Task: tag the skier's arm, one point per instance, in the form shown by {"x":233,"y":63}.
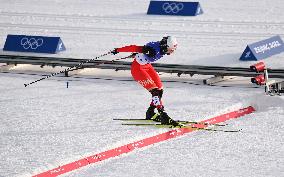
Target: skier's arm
{"x":130,"y":48}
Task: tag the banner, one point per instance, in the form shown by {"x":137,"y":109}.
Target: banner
{"x":263,"y":49}
{"x":38,"y":44}
{"x":174,"y":8}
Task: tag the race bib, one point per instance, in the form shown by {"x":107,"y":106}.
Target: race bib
{"x":141,"y":59}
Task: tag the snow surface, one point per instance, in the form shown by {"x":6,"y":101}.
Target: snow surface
{"x":47,"y":125}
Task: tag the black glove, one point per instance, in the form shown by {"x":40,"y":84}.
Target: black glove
{"x":149,"y":51}
{"x":114,"y":52}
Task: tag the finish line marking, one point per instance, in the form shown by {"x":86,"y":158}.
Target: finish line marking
{"x":140,"y":144}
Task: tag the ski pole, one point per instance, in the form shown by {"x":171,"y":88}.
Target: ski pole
{"x":68,"y":69}
{"x":108,"y":61}
{"x":79,"y":66}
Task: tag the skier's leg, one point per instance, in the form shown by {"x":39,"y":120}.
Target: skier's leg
{"x":157,"y":93}
{"x":140,"y":74}
{"x":150,"y":80}
{"x":156,"y":101}
{"x":157,"y":98}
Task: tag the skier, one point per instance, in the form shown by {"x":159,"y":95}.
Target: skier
{"x":144,"y":73}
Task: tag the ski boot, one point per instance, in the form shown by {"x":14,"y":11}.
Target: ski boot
{"x":150,"y":112}
{"x":166,"y":120}
{"x":151,"y":115}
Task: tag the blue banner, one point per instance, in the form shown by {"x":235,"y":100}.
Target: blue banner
{"x":38,"y":44}
{"x":174,"y":8}
{"x":263,"y":49}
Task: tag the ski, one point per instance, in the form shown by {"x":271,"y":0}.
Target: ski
{"x":150,"y":120}
{"x":192,"y":126}
{"x":179,"y":121}
{"x":158,"y":125}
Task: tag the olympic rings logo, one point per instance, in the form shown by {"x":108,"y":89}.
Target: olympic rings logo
{"x":172,"y":7}
{"x":31,"y":43}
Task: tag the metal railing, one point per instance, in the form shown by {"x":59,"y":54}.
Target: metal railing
{"x":123,"y":65}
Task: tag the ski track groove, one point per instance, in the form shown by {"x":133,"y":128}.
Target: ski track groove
{"x":99,"y":31}
{"x":126,"y":31}
{"x":119,"y":18}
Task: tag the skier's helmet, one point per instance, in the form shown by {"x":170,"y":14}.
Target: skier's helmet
{"x":169,"y":43}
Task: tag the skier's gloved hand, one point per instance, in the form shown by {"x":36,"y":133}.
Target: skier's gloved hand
{"x":114,"y":52}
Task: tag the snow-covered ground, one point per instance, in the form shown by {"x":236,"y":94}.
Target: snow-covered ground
{"x":47,"y":125}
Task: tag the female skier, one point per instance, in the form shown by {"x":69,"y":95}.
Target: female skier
{"x":144,"y":73}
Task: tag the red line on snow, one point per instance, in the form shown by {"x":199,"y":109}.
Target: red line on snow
{"x":140,"y":144}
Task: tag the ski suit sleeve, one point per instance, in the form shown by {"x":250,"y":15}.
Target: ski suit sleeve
{"x":130,"y":48}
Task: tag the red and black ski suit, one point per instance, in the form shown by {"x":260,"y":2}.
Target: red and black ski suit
{"x":142,"y":70}
{"x":144,"y":73}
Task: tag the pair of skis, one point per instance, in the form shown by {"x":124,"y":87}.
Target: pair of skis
{"x":182,"y":124}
